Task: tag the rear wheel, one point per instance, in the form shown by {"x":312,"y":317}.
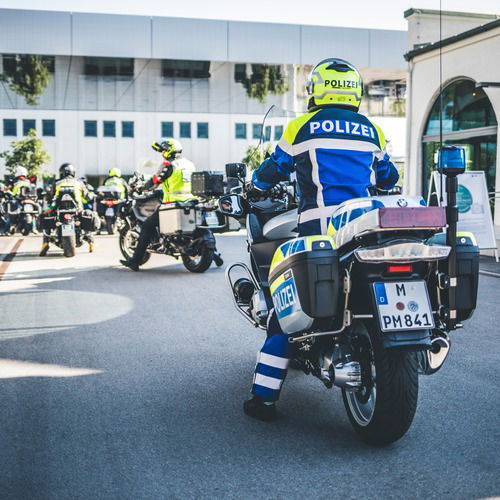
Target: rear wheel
{"x":128,"y":242}
{"x":200,"y":262}
{"x":382,"y":411}
{"x":110,"y":226}
{"x":68,"y":245}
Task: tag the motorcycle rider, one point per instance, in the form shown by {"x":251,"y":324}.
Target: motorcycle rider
{"x":21,"y":180}
{"x":174,"y":177}
{"x":67,"y":178}
{"x":336,"y":153}
{"x":115,"y":179}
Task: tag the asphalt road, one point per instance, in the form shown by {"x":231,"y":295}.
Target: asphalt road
{"x":116,"y":384}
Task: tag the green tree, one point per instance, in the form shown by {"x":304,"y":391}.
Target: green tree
{"x":26,"y":153}
{"x":27,"y":76}
{"x":255,"y":156}
{"x":265,"y":79}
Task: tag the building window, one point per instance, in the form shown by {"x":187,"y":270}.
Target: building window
{"x":469,"y":122}
{"x":175,"y":68}
{"x":167,"y":129}
{"x":256,"y":130}
{"x":49,"y":128}
{"x":185,"y":130}
{"x":202,"y":130}
{"x":15,"y":63}
{"x":240,"y":130}
{"x":90,"y":127}
{"x":127,"y":129}
{"x":28,"y":125}
{"x":278,"y":132}
{"x":109,"y":129}
{"x":267,"y":133}
{"x":109,"y":66}
{"x":9,"y":127}
{"x":240,"y":73}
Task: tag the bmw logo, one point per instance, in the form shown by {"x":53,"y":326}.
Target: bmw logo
{"x":412,"y":306}
{"x":402,"y":202}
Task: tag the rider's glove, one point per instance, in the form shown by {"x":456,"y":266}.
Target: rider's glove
{"x":164,"y":173}
{"x":253,"y":192}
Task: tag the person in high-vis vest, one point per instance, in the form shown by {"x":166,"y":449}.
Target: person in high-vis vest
{"x":21,"y":180}
{"x":115,"y":179}
{"x":336,"y":153}
{"x":67,"y":178}
{"x":174,"y":178}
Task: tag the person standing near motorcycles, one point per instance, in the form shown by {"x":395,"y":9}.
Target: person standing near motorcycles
{"x":174,"y":178}
{"x":67,"y":178}
{"x":336,"y":153}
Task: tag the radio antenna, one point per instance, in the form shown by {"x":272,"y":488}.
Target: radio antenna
{"x":440,"y":155}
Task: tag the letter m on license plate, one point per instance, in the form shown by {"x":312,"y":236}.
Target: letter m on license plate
{"x":403,"y":305}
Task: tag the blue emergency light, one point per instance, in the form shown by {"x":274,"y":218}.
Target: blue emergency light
{"x":451,"y":160}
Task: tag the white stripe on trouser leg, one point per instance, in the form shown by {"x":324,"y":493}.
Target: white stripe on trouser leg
{"x":269,"y":382}
{"x":274,"y":361}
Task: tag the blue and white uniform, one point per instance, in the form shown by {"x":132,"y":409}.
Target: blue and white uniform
{"x":336,"y":154}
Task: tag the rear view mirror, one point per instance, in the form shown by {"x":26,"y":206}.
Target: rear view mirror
{"x":232,"y":205}
{"x":451,"y":160}
{"x":238,"y":170}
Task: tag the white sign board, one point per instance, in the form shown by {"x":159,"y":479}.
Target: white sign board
{"x":474,"y":214}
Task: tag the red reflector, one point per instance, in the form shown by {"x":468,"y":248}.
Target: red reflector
{"x":400,"y":269}
{"x":68,"y":216}
{"x":412,"y":217}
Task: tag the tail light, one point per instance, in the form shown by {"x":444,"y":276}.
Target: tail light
{"x":402,"y":252}
{"x":68,"y":216}
{"x":400,"y":269}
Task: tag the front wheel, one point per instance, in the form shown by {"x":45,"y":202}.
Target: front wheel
{"x":382,"y":411}
{"x":68,"y":244}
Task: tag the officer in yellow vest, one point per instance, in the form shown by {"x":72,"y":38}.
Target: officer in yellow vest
{"x":115,"y":179}
{"x":67,"y":178}
{"x":174,"y":177}
{"x":21,"y":180}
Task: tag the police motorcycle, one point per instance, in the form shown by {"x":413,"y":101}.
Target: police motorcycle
{"x":65,"y":224}
{"x":21,"y":210}
{"x":186,"y":229}
{"x":108,"y":201}
{"x":369,"y":305}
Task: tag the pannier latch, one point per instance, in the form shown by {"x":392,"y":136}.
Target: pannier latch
{"x":443,"y":281}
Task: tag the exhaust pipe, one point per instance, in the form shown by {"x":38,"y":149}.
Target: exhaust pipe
{"x":432,"y":360}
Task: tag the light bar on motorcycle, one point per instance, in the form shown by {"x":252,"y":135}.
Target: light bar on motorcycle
{"x":403,"y":252}
{"x":412,"y":217}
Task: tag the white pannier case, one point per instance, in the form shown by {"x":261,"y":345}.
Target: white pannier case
{"x":177,"y":219}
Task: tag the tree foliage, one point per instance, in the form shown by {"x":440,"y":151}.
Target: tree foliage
{"x":27,"y":76}
{"x":265,"y":79}
{"x":27,"y":153}
{"x":255,"y":156}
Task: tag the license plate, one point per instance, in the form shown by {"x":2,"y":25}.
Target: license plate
{"x":212,"y":219}
{"x":109,"y":212}
{"x":28,"y":208}
{"x":67,"y":229}
{"x":403,"y":305}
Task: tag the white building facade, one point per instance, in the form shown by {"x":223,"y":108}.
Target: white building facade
{"x":470,"y":102}
{"x":117,"y":83}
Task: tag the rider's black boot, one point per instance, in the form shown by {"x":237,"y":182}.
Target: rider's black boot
{"x":260,"y":409}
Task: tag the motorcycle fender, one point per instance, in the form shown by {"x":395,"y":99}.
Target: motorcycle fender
{"x":208,"y":239}
{"x":415,"y":340}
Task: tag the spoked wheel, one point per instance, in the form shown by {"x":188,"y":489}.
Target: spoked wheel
{"x":128,"y":243}
{"x":382,"y":410}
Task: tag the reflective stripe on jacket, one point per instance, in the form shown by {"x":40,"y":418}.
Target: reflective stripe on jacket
{"x":178,"y":186}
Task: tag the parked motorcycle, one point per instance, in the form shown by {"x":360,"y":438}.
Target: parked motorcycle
{"x":108,"y":201}
{"x":186,"y":229}
{"x":66,"y":225}
{"x":368,"y":306}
